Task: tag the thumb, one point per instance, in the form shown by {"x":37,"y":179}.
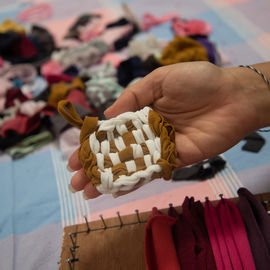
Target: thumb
{"x":140,"y":94}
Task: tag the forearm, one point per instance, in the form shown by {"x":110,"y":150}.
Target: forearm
{"x":255,"y":89}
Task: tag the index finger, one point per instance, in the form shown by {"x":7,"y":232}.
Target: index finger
{"x":140,"y":94}
{"x":74,"y":163}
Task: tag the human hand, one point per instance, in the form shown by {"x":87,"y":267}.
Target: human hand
{"x":211,"y":109}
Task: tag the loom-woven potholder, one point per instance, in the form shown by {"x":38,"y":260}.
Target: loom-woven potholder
{"x":124,"y":152}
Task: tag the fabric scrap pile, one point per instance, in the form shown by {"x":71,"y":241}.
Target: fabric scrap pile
{"x":95,"y":62}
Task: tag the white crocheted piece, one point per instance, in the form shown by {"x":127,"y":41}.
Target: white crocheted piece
{"x":126,"y":182}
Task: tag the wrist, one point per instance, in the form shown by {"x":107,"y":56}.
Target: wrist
{"x":254,"y":92}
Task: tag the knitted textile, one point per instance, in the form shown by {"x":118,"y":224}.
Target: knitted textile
{"x":126,"y":151}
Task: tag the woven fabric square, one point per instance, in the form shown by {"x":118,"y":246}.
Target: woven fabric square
{"x":124,"y":152}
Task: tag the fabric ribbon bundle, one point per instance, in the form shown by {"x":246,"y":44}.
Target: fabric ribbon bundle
{"x":224,"y":236}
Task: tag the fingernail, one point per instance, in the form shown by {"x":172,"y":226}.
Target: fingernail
{"x":105,"y":112}
{"x":107,"y":109}
{"x":85,"y":197}
{"x":69,"y":169}
{"x":71,"y":189}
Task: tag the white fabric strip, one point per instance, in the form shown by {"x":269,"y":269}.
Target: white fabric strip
{"x":119,"y":143}
{"x":137,"y":124}
{"x":143,"y":114}
{"x":106,"y":179}
{"x":156,"y":156}
{"x":148,"y":132}
{"x":121,"y":119}
{"x":115,"y":158}
{"x":131,"y":166}
{"x":147,"y":160}
{"x":100,"y":160}
{"x":138,"y":136}
{"x":137,"y":151}
{"x":124,"y":182}
{"x":157,"y":144}
{"x":105,"y":147}
{"x":121,"y":129}
{"x":151,"y":146}
{"x":94,"y":143}
{"x":110,"y":136}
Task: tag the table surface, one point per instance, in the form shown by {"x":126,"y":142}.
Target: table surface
{"x":36,"y":203}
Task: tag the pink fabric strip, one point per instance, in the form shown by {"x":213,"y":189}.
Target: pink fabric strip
{"x":224,"y":217}
{"x":51,"y":68}
{"x":216,"y":238}
{"x":240,"y":235}
{"x":191,"y":27}
{"x":36,"y":13}
{"x":150,"y":20}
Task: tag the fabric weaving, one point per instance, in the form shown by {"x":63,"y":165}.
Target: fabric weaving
{"x":126,"y":151}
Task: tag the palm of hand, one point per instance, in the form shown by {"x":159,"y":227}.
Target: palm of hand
{"x":205,"y":111}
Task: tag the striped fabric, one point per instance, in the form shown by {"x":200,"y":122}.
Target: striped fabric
{"x":73,"y":207}
{"x":36,"y":13}
{"x":35,"y":199}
